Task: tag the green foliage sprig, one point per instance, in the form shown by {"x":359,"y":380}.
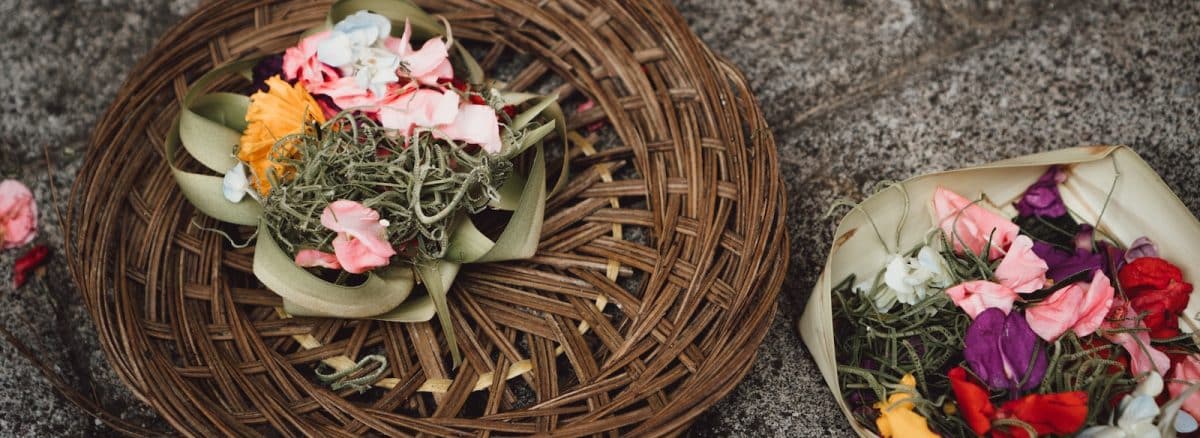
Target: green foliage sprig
{"x":418,"y":187}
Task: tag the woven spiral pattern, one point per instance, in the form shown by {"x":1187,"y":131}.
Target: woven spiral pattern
{"x":653,"y":285}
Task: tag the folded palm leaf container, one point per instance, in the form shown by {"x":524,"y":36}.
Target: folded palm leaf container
{"x":652,"y":286}
{"x":1140,"y":204}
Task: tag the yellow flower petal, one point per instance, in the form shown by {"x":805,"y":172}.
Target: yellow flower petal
{"x":896,"y":415}
{"x":282,"y":110}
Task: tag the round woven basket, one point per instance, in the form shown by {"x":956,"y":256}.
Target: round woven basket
{"x":654,"y":282}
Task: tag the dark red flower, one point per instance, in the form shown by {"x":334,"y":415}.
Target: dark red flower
{"x":28,"y":262}
{"x":1156,"y":287}
{"x":1058,"y":414}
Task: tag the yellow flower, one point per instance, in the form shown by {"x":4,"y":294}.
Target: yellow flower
{"x":896,"y":416}
{"x":282,"y":110}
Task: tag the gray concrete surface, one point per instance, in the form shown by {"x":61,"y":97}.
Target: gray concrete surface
{"x":856,"y":91}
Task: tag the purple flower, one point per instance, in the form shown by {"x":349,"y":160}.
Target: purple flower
{"x":1042,"y":198}
{"x":265,"y":69}
{"x":1064,"y":263}
{"x":1004,"y":352}
{"x":1142,"y":247}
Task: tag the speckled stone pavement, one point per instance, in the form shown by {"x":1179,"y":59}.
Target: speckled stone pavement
{"x":855,"y":90}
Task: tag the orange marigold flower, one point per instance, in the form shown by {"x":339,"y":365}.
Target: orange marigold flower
{"x":284,"y":109}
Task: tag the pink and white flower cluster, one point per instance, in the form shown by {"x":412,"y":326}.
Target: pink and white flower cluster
{"x":359,"y":66}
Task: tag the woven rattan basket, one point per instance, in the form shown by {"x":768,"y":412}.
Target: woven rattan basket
{"x":653,"y":285}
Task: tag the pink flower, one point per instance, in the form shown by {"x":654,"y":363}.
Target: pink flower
{"x":346,"y":94}
{"x":361,"y":243}
{"x":1135,"y":338}
{"x":300,"y":63}
{"x":427,"y":65}
{"x":1022,"y":270}
{"x":1080,"y":307}
{"x":970,"y":226}
{"x":976,"y":296}
{"x":423,"y":108}
{"x":18,"y":215}
{"x":311,"y":258}
{"x":476,"y":124}
{"x":441,"y":112}
{"x":1186,"y":373}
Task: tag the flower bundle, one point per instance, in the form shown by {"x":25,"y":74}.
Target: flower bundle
{"x":1018,"y":321}
{"x":365,"y":155}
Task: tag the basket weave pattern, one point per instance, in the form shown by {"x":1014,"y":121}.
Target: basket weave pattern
{"x":653,"y":285}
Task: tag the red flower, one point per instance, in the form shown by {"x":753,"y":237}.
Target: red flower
{"x":1058,"y":413}
{"x":1156,"y":287}
{"x":972,"y":400}
{"x":28,"y":262}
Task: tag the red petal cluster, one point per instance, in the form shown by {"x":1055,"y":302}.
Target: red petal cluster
{"x":1058,"y":413}
{"x":1156,"y":287}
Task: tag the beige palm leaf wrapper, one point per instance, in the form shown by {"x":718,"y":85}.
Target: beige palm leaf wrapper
{"x":1141,"y":204}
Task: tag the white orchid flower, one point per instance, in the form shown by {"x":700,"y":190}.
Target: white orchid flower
{"x":909,"y":279}
{"x":356,"y":46}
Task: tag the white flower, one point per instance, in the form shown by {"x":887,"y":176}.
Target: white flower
{"x":236,"y":185}
{"x":1138,"y":413}
{"x":364,"y":29}
{"x":909,"y":280}
{"x":355,"y":45}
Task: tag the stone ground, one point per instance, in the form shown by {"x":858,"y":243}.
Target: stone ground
{"x":856,"y":90}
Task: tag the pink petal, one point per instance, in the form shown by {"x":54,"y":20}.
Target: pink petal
{"x":1141,"y":361}
{"x":18,"y":214}
{"x":1096,"y":303}
{"x":400,"y":46}
{"x":1143,"y":356}
{"x":300,"y":62}
{"x":1054,"y":316}
{"x":430,"y":63}
{"x":356,"y":256}
{"x":1022,"y":270}
{"x":311,"y":258}
{"x":346,"y":93}
{"x":1185,"y":374}
{"x":351,"y":219}
{"x":427,"y":65}
{"x":1080,"y":307}
{"x":976,"y":296}
{"x":476,"y":124}
{"x":970,"y":226}
{"x":422,"y":108}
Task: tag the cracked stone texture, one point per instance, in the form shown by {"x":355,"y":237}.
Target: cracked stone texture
{"x":856,"y":91}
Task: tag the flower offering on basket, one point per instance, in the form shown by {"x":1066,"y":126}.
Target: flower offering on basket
{"x":371,"y":156}
{"x":1045,"y":296}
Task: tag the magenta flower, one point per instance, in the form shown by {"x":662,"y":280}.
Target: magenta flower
{"x":1000,"y":349}
{"x":1042,"y":198}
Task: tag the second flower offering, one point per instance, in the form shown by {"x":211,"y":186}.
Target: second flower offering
{"x":1030,"y":323}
